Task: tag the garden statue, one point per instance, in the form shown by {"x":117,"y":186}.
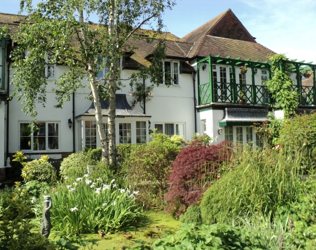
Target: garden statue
{"x":46,"y":225}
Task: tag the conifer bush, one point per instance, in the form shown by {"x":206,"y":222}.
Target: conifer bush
{"x":195,"y":168}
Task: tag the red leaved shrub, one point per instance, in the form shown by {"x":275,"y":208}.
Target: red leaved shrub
{"x":193,"y":171}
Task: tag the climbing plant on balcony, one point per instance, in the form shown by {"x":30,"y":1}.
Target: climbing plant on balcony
{"x":281,"y":86}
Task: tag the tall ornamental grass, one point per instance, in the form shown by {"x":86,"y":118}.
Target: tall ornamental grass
{"x":90,"y":205}
{"x":261,"y":182}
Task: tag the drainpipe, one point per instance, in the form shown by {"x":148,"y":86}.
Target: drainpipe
{"x":194,"y":102}
{"x":144,"y":96}
{"x":73,"y":124}
{"x":8,"y":113}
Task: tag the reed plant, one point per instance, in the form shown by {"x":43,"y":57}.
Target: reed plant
{"x":90,"y":205}
{"x":261,"y":182}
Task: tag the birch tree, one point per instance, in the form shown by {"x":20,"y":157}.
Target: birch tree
{"x":62,"y":31}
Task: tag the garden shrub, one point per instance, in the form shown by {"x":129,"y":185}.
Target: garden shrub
{"x":74,"y":166}
{"x":217,"y":236}
{"x":195,"y":168}
{"x":260,"y":183}
{"x":89,"y":205}
{"x":40,"y":170}
{"x":147,"y":168}
{"x":16,"y":230}
{"x":298,"y":136}
{"x":35,"y":188}
{"x":192,"y":215}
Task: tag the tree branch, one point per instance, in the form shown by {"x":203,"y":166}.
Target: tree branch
{"x":139,"y":25}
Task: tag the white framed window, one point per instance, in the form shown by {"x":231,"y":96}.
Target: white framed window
{"x":125,"y":130}
{"x":242,"y":135}
{"x":90,"y":138}
{"x":45,"y":137}
{"x":140,"y":132}
{"x":170,"y":129}
{"x":264,"y":75}
{"x":171,"y":73}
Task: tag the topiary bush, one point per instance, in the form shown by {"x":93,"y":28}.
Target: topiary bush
{"x":195,"y":168}
{"x":40,"y":170}
{"x":147,"y":169}
{"x":261,"y":182}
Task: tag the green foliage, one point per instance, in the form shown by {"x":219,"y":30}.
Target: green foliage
{"x":16,"y":230}
{"x":35,"y":188}
{"x":281,"y":86}
{"x":89,"y":205}
{"x":269,"y":131}
{"x":147,"y":168}
{"x":261,"y":182}
{"x":217,"y":236}
{"x":192,"y":215}
{"x":298,"y":136}
{"x":40,"y":170}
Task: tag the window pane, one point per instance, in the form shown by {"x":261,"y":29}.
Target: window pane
{"x":175,"y":73}
{"x":180,"y":129}
{"x":229,"y":134}
{"x":239,"y":135}
{"x":53,"y":136}
{"x":90,"y":134}
{"x":39,"y":138}
{"x":159,"y":128}
{"x":249,"y":135}
{"x":167,"y":79}
{"x":25,"y":136}
{"x":140,"y":132}
{"x":169,"y":129}
{"x":125,"y":132}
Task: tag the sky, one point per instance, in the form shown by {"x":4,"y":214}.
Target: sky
{"x":284,"y":26}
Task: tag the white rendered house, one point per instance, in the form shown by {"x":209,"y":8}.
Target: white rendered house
{"x":218,"y":72}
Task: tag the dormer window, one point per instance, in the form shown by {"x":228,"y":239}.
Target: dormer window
{"x":171,"y":73}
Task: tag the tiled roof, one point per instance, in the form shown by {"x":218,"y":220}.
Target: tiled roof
{"x":224,"y":35}
{"x":235,"y":48}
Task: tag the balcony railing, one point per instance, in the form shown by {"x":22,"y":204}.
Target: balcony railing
{"x":247,"y":94}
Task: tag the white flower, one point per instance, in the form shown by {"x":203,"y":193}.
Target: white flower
{"x":122,"y":190}
{"x":88,"y":181}
{"x":104,"y":204}
{"x":68,"y":186}
{"x":136,"y":192}
{"x":72,"y":189}
{"x":98,"y":190}
{"x":75,"y":183}
{"x":33,"y":199}
{"x":92,"y":185}
{"x":79,"y":179}
{"x":105,"y":187}
{"x":86,"y":175}
{"x":99,"y":179}
{"x":114,"y":203}
{"x":114,"y":185}
{"x":73,"y":209}
{"x":132,"y":196}
{"x":112,"y":181}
